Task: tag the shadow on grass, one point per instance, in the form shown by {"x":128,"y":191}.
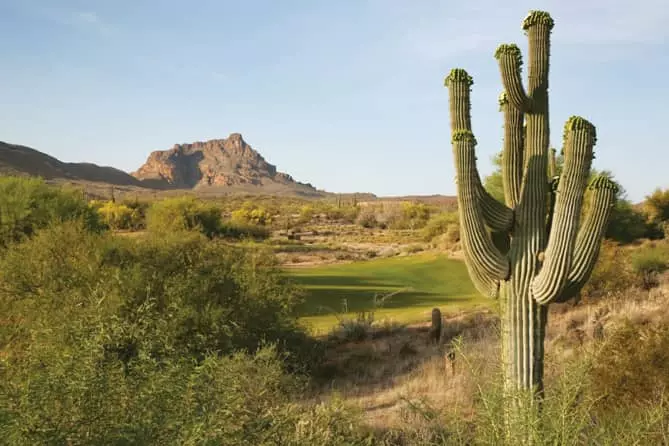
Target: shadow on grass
{"x":417,"y":281}
{"x":323,"y":293}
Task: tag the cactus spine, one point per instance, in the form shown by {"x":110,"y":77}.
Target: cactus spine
{"x":549,"y":253}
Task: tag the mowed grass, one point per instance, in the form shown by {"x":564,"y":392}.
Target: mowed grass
{"x":420,"y":282}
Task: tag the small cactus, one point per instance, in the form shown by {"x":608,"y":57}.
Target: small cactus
{"x":434,"y":334}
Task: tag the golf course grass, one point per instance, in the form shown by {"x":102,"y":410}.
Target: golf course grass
{"x":415,"y":284}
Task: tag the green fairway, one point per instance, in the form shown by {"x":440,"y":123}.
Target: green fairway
{"x":420,"y":282}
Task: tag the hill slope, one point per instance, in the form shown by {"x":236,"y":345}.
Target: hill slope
{"x":21,"y":160}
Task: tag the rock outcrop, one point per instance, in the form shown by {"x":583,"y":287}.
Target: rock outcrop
{"x":225,"y":162}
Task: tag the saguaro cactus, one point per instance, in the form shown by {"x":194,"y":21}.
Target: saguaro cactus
{"x":547,"y":254}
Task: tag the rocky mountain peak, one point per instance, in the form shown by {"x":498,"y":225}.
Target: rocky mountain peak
{"x":219,"y":162}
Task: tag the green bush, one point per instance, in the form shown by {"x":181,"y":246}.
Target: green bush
{"x":414,"y":216}
{"x":116,"y":215}
{"x":138,"y":217}
{"x":28,"y":204}
{"x":183,"y":214}
{"x":307,"y":214}
{"x":611,"y":274}
{"x":250,"y":214}
{"x":627,"y":224}
{"x":78,"y":396}
{"x":235,"y":230}
{"x":108,"y":340}
{"x":346,"y":214}
{"x":185,"y":294}
{"x":656,"y":205}
{"x":648,"y":263}
{"x":441,"y":223}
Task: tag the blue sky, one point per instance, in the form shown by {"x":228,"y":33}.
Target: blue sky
{"x":347,"y":95}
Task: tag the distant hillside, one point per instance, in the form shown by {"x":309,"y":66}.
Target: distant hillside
{"x":212,"y":168}
{"x":219,"y":165}
{"x":208,"y":169}
{"x":21,"y":160}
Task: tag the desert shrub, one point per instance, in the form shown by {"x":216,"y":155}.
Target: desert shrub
{"x":346,"y":214}
{"x":353,"y":329}
{"x":414,"y":215}
{"x":631,"y":367}
{"x":656,"y":205}
{"x":250,"y":214}
{"x":441,"y":223}
{"x":367,"y":218}
{"x":627,"y":224}
{"x":396,"y":215}
{"x":28,"y":204}
{"x":61,"y":395}
{"x":183,"y":214}
{"x":116,"y":215}
{"x":611,"y":274}
{"x":184,"y":294}
{"x":306,"y":214}
{"x":138,"y":217}
{"x":116,"y":341}
{"x":648,"y":263}
{"x":235,"y":230}
{"x":573,"y":411}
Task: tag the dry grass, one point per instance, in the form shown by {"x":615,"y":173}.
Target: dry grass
{"x":389,"y":376}
{"x":386,"y":375}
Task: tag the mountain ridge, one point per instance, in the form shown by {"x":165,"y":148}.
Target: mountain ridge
{"x":214,"y":167}
{"x":252,"y":175}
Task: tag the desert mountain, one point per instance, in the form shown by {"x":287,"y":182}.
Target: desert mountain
{"x":21,"y":160}
{"x":228,"y":163}
{"x":214,"y":167}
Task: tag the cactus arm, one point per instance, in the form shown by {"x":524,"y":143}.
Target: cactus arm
{"x":485,"y":263}
{"x":497,"y":216}
{"x":459,"y":83}
{"x":512,"y":155}
{"x":590,"y":236}
{"x":579,"y":141}
{"x":538,"y":26}
{"x":510,"y":61}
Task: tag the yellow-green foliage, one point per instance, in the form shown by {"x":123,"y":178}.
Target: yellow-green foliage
{"x":29,"y":204}
{"x":122,"y":341}
{"x":394,"y":215}
{"x":346,"y":214}
{"x":611,"y":274}
{"x":116,"y":215}
{"x":252,"y":214}
{"x":413,"y":216}
{"x":648,"y":262}
{"x":442,"y":223}
{"x":306,"y":214}
{"x":656,"y":205}
{"x":183,"y":214}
